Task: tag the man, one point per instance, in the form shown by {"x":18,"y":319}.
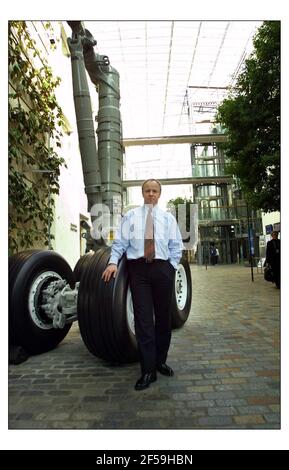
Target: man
{"x":153,"y":245}
{"x":213,"y":252}
{"x":273,"y":257}
{"x":217,"y":255}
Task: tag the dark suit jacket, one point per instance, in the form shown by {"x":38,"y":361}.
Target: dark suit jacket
{"x":273,"y":253}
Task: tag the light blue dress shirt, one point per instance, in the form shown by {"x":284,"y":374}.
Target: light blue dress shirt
{"x":130,"y":236}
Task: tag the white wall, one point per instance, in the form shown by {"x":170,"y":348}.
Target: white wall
{"x":71,"y":201}
{"x":270,"y":218}
{"x":69,"y":204}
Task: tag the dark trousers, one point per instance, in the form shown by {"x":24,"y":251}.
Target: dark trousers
{"x":276,"y":271}
{"x":151,"y":288}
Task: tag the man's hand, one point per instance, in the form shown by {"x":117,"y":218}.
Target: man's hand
{"x":108,"y":272}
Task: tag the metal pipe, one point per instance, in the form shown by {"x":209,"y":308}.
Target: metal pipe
{"x":109,"y":131}
{"x":105,"y":209}
{"x":85,"y":125}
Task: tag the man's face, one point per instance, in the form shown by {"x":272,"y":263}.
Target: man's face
{"x":151,"y":192}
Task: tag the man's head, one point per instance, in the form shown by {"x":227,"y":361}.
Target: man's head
{"x":151,"y":191}
{"x":274,"y":235}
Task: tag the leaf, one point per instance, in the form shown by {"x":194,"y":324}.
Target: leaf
{"x":29,"y":129}
{"x":251,"y":117}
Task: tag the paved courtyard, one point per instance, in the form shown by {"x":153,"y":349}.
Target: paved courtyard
{"x":226,"y":361}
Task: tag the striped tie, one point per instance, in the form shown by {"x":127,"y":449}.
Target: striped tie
{"x":149,"y":242}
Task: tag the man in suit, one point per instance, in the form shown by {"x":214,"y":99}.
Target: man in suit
{"x":273,"y":257}
{"x":151,"y":239}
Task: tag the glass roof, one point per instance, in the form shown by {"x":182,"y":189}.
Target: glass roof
{"x":173,"y":74}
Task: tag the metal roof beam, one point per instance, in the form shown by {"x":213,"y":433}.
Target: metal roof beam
{"x":191,"y":180}
{"x":176,"y":139}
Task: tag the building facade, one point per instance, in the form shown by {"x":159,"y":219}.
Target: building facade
{"x":224,"y":217}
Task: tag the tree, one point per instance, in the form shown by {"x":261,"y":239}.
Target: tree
{"x":251,"y":118}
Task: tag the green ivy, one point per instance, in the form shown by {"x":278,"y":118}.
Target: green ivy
{"x":35,"y":120}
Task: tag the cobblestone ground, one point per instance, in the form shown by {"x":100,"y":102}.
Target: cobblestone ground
{"x":226,"y":362}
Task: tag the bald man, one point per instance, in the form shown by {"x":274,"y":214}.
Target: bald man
{"x":151,"y":239}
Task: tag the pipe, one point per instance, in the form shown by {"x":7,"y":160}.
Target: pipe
{"x":109,"y":131}
{"x":105,"y":209}
{"x":85,"y":126}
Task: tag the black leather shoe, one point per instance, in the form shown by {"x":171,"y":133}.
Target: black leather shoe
{"x":145,"y":380}
{"x":165,"y":370}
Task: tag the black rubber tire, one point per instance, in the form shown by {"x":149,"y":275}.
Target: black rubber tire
{"x":24,"y":267}
{"x":179,"y":317}
{"x":101,"y":310}
{"x":81,"y":265}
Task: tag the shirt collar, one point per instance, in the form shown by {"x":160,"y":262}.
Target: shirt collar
{"x":146,"y":208}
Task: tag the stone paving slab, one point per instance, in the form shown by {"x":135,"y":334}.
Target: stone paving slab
{"x":226,"y":360}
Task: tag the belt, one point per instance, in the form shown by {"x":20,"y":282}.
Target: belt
{"x":149,"y":261}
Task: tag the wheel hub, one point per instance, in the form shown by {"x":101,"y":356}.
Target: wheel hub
{"x":36,"y":298}
{"x":181,"y":287}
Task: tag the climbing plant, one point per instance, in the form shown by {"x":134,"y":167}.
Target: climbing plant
{"x":35,"y":124}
